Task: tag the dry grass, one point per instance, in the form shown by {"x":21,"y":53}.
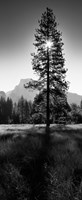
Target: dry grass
{"x":31,"y":169}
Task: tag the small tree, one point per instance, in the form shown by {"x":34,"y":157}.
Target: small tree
{"x":9,"y":110}
{"x":48,"y":61}
{"x":38,"y":111}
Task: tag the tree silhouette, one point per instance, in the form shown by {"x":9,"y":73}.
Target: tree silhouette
{"x":48,"y":61}
{"x":81,"y":104}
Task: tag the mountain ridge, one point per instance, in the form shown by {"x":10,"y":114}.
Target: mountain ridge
{"x":29,"y":94}
{"x":74,"y":98}
{"x":20,"y":90}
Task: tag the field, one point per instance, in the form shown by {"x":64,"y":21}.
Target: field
{"x":34,"y":167}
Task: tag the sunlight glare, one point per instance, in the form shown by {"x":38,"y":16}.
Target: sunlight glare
{"x":48,"y":44}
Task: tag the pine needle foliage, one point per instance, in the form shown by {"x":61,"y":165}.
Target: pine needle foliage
{"x":47,"y":31}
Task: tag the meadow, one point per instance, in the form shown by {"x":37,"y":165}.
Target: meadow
{"x":34,"y":168}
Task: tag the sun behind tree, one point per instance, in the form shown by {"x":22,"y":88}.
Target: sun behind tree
{"x":48,"y":61}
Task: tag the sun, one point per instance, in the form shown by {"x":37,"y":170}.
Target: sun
{"x":48,"y":44}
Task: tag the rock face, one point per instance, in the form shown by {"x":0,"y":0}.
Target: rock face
{"x":2,"y":94}
{"x":29,"y":94}
{"x":74,"y":98}
{"x":20,"y":90}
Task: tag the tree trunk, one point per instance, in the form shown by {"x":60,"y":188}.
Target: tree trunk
{"x":48,"y":111}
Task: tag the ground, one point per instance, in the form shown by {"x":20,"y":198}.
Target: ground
{"x":34,"y":167}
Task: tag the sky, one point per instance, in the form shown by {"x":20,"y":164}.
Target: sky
{"x":18,"y":21}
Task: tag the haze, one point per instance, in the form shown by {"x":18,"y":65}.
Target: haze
{"x":18,"y":21}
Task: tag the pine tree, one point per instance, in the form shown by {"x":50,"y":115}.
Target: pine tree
{"x":9,"y":109}
{"x":81,"y":104}
{"x":21,"y":110}
{"x":48,"y":61}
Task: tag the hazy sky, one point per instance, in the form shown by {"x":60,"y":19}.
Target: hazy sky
{"x":18,"y":20}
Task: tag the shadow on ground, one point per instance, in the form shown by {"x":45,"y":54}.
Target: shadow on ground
{"x":36,"y":167}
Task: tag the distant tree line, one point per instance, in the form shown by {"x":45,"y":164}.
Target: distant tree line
{"x":26,"y":112}
{"x":15,"y":113}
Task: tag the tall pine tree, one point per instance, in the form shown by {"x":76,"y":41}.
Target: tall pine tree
{"x":48,"y":61}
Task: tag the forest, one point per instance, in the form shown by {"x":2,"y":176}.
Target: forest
{"x":27,"y":112}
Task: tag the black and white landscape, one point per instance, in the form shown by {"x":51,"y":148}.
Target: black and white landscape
{"x":40,"y":120}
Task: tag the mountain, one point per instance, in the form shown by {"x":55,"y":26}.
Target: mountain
{"x":20,"y":90}
{"x":29,"y":94}
{"x":74,"y":98}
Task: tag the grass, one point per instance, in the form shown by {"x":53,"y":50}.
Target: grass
{"x":31,"y":169}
